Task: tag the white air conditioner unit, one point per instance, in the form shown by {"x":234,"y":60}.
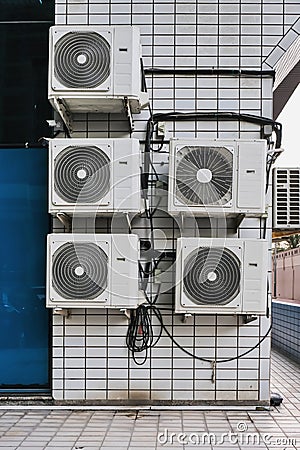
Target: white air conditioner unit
{"x":286,"y":198}
{"x":92,"y":271}
{"x":98,"y":176}
{"x":216,"y":177}
{"x":221,"y":276}
{"x":95,"y":68}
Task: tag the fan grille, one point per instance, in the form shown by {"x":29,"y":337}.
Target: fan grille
{"x":204,"y":175}
{"x":212,"y":276}
{"x":82,"y":60}
{"x":82,"y":174}
{"x":79,"y":271}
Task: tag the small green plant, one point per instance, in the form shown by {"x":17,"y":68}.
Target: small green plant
{"x":293,"y":241}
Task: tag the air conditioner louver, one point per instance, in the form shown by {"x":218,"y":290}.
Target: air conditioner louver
{"x":82,"y":174}
{"x":212,"y":276}
{"x":82,"y":60}
{"x":204,"y":175}
{"x":94,"y":176}
{"x":80,"y":271}
{"x":221,"y":276}
{"x":92,"y":271}
{"x":217,"y":177}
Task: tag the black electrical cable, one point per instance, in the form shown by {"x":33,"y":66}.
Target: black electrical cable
{"x":269,"y":167}
{"x":265,"y":227}
{"x":206,"y":359}
{"x":155,"y":118}
{"x":153,"y":211}
{"x":140,"y":332}
{"x":150,"y":271}
{"x":143,"y":72}
{"x":66,"y":131}
{"x":205,"y":72}
{"x":201,"y":116}
{"x":226,"y":116}
{"x":140,"y":335}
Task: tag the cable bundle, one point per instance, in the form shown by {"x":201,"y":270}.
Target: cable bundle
{"x":140,"y":336}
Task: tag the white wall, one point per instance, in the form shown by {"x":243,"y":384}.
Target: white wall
{"x":90,"y":359}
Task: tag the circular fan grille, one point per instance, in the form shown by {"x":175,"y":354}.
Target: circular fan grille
{"x":82,"y":174}
{"x":204,"y":175}
{"x":212,"y":276}
{"x":79,"y":271}
{"x":82,"y":60}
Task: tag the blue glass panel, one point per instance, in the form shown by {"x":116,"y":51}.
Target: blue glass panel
{"x":24,"y":224}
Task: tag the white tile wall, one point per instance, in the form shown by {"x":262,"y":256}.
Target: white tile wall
{"x":90,"y":359}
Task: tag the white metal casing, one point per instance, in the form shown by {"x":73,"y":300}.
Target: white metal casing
{"x":124,"y":194}
{"x":286,"y":198}
{"x":124,"y":79}
{"x":122,"y":290}
{"x":248,"y":178}
{"x":253,"y":258}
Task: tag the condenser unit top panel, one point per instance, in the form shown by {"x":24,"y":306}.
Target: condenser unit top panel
{"x":286,"y":198}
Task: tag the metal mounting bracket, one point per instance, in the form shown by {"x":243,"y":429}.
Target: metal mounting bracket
{"x":247,"y":318}
{"x":62,"y":312}
{"x":185,"y":317}
{"x":126,"y":312}
{"x":128,"y":114}
{"x":239,"y":220}
{"x":64,"y":113}
{"x":65,"y":220}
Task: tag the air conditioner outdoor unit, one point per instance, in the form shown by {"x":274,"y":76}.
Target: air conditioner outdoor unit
{"x":92,"y":271}
{"x":221,"y":276}
{"x":94,"y":176}
{"x":286,"y":198}
{"x":95,"y":68}
{"x":216,"y":177}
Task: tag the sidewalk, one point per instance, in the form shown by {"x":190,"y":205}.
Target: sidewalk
{"x":151,"y":430}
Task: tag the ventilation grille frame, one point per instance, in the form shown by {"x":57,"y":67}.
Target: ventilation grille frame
{"x":219,"y":272}
{"x":56,"y":200}
{"x":92,"y":260}
{"x":286,"y":198}
{"x":190,"y":155}
{"x":55,"y":297}
{"x":59,"y":35}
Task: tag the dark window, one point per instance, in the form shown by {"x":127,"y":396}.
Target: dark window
{"x":27,"y":10}
{"x":24,"y":106}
